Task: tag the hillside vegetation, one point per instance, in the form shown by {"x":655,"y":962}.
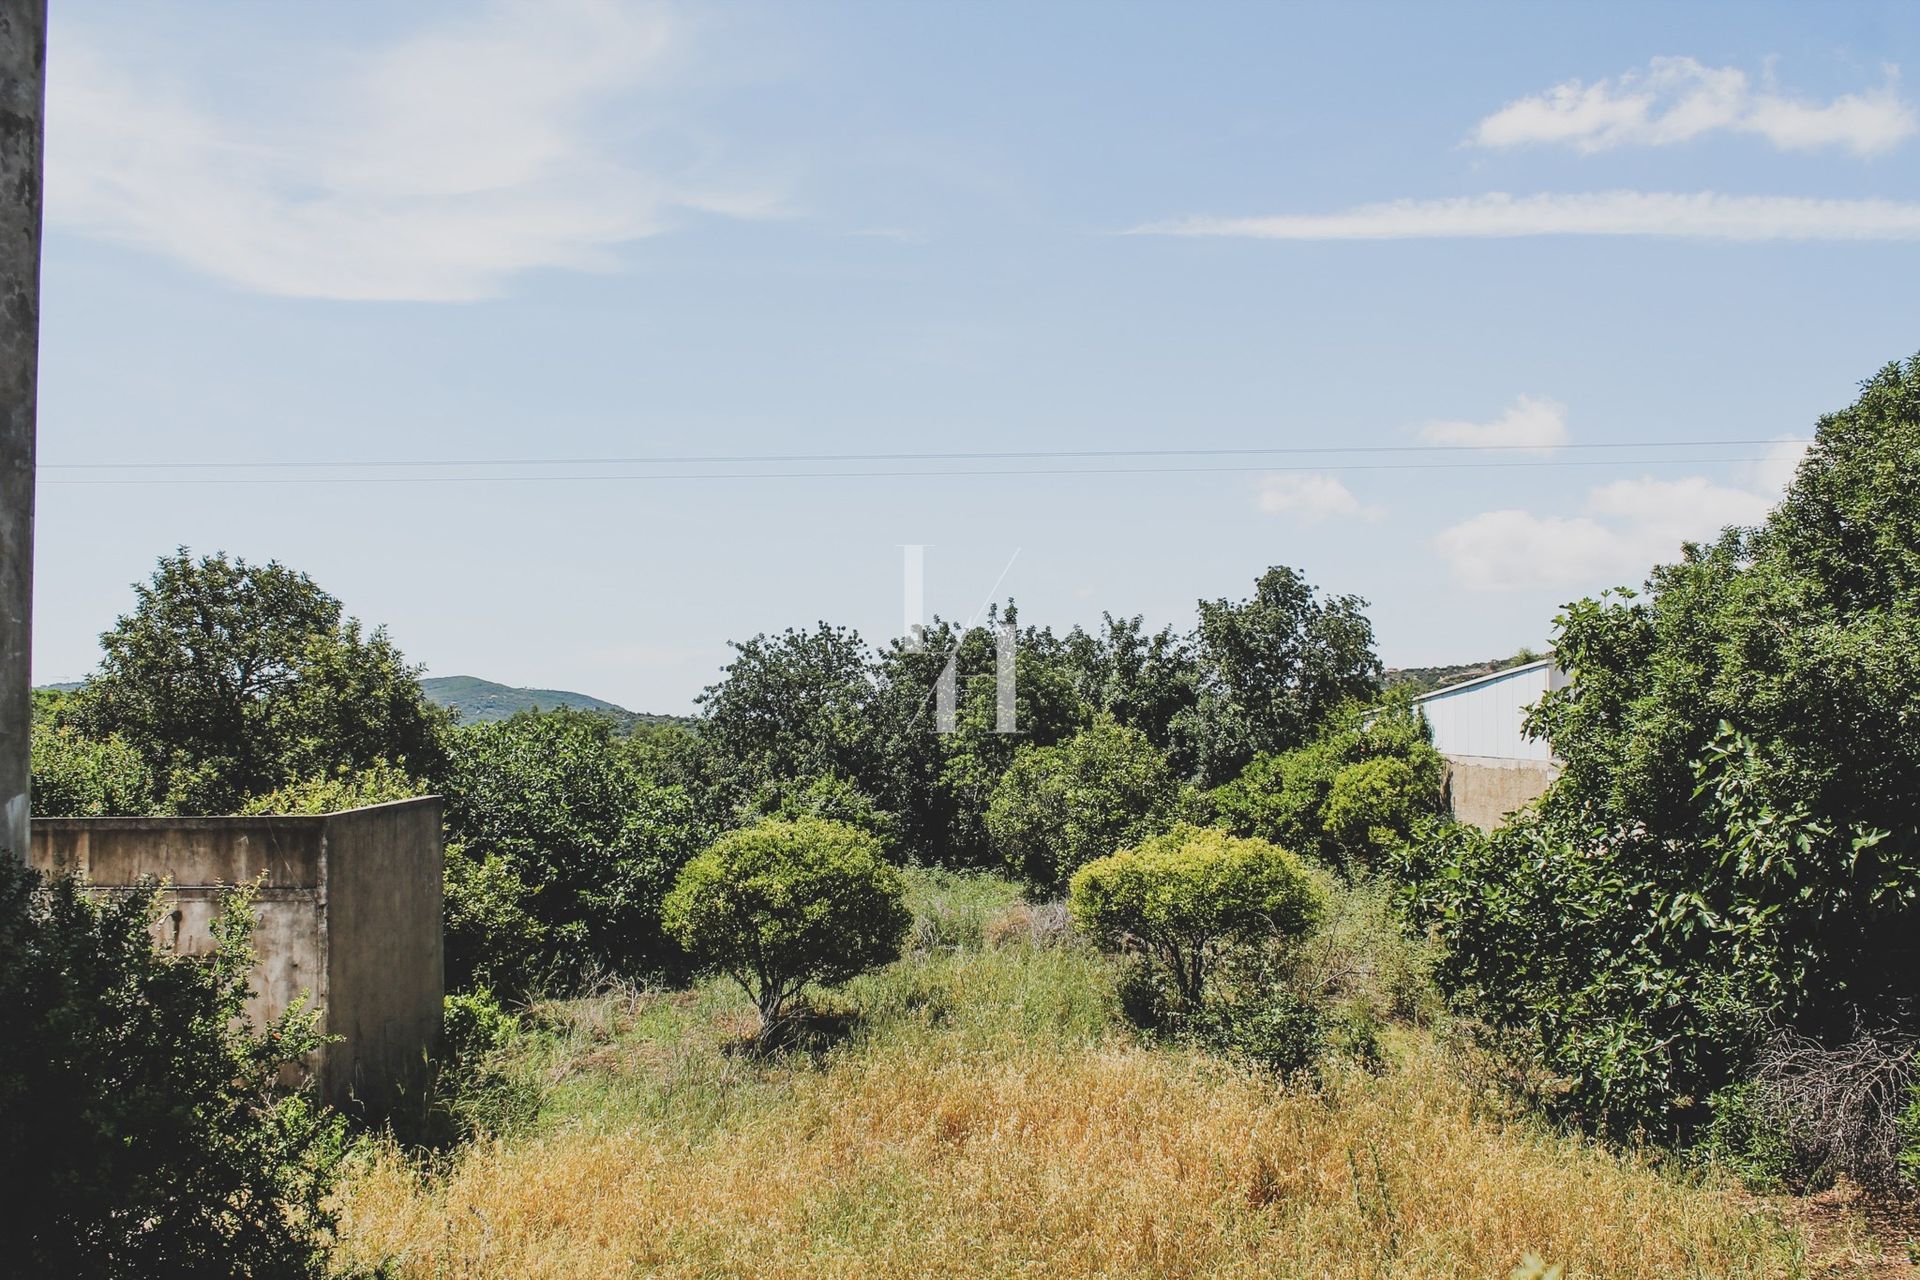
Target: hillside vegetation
{"x":1419,"y":680}
{"x":991,"y":1114}
{"x":481,"y":701}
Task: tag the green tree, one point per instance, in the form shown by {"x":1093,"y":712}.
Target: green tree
{"x":232,"y":679}
{"x":563,"y":805}
{"x":1273,"y":669}
{"x":1187,"y":896}
{"x":779,"y":905}
{"x":1057,"y":808}
{"x":1734,"y":839}
{"x":1347,"y":798}
{"x":939,"y":784}
{"x":145,"y":1122}
{"x":795,"y":705}
{"x":1146,"y":682}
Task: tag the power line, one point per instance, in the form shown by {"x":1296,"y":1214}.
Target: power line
{"x":976,"y":456}
{"x":892,"y":474}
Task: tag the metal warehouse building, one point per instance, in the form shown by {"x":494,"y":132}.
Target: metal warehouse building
{"x":1479,"y":726}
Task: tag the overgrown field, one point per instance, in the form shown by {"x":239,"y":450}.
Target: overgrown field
{"x":990,"y":1114}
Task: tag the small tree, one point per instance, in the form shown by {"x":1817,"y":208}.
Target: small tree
{"x":778,"y":905}
{"x":1186,"y":896}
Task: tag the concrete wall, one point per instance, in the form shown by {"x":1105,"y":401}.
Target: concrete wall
{"x":384,"y":880}
{"x":1483,"y":790}
{"x":347,"y":909}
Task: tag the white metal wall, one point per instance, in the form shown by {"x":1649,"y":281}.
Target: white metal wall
{"x":1483,"y":717}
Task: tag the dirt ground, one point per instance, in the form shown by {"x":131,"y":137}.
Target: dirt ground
{"x":1850,"y":1233}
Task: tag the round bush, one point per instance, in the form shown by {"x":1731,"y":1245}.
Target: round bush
{"x":1185,"y":896}
{"x":781,"y":904}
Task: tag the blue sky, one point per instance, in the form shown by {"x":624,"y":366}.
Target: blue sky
{"x":439,"y":233}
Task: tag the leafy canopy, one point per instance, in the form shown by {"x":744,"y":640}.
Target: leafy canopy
{"x":1057,"y":808}
{"x":1734,"y":842}
{"x":559,"y":805}
{"x":1360,"y":790}
{"x":231,"y":679}
{"x":1189,"y":894}
{"x":1274,"y":668}
{"x":779,"y":905}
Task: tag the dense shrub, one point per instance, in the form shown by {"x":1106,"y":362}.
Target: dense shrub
{"x":76,"y":776}
{"x":1549,"y":926}
{"x":779,"y":905}
{"x":559,"y":829}
{"x":143,"y":1121}
{"x":1185,"y":897}
{"x":1732,"y":849}
{"x":379,"y":783}
{"x":1267,"y":1026}
{"x":1058,"y":808}
{"x":826,"y":796}
{"x":1348,"y":798}
{"x":490,"y":935}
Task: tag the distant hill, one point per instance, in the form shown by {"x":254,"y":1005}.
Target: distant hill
{"x":480,"y":700}
{"x":1425,"y":679}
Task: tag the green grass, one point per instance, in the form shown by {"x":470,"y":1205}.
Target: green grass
{"x":951,"y":909}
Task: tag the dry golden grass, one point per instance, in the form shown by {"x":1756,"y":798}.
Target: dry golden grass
{"x":925,"y":1150}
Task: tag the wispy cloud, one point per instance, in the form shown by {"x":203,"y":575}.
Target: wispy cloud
{"x":1530,"y":422}
{"x":431,"y":169}
{"x":1680,"y":99}
{"x":1621,"y":531}
{"x":1703,"y":216}
{"x":1311,"y":498}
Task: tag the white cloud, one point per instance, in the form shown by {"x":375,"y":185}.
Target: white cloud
{"x":1774,"y":472}
{"x":1311,"y":498}
{"x":1624,"y":528}
{"x":1679,"y":99}
{"x":1706,"y":215}
{"x":431,"y":169}
{"x":1530,"y":422}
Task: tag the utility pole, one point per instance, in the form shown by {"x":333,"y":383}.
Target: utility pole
{"x":23,"y":96}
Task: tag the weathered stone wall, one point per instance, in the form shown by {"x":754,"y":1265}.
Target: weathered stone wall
{"x":384,"y":958}
{"x":347,"y":910}
{"x":1483,"y":790}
